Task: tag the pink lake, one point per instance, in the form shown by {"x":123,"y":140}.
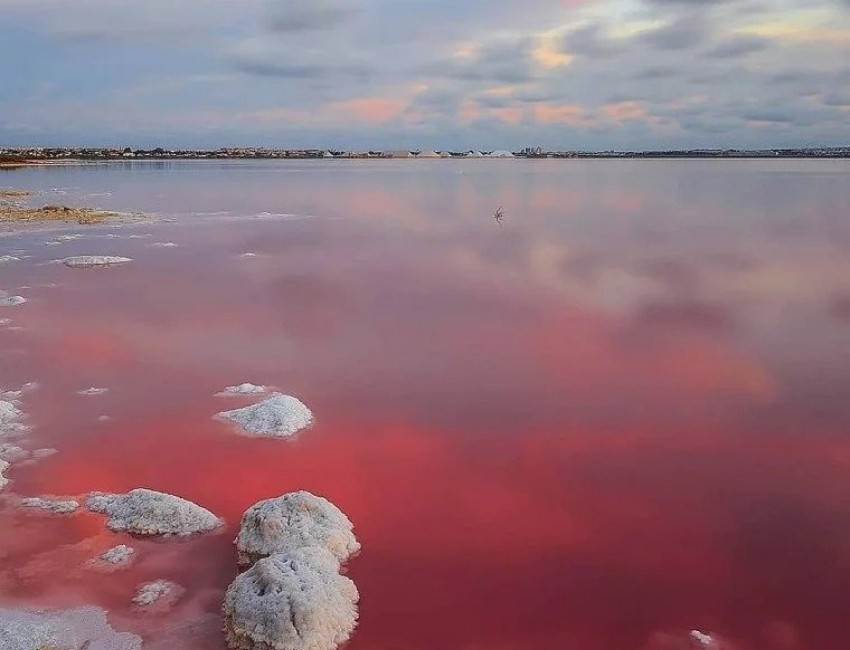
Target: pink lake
{"x":622,"y":415}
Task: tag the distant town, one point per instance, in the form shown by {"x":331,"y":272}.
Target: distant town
{"x":15,"y":155}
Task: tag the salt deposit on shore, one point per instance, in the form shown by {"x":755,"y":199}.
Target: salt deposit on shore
{"x":243,"y":389}
{"x":291,"y":601}
{"x":10,"y":301}
{"x":278,"y":416}
{"x":5,"y":259}
{"x":293,"y":521}
{"x":88,"y":261}
{"x":146,"y":512}
{"x":3,"y":467}
{"x":74,"y":629}
{"x":50,"y":504}
{"x":118,"y":555}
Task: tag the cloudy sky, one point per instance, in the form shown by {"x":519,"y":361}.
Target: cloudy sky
{"x":564,"y":74}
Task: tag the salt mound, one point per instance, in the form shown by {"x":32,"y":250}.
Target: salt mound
{"x":11,"y":301}
{"x":56,"y":506}
{"x":158,"y":595}
{"x":91,"y":392}
{"x":243,"y":389}
{"x":145,"y":512}
{"x":85,"y":261}
{"x":278,"y":416}
{"x":86,"y":627}
{"x":292,"y":601}
{"x":118,"y":555}
{"x":293,"y":521}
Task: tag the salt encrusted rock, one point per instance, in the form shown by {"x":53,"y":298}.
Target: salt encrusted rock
{"x":85,"y":261}
{"x":159,"y":594}
{"x":291,"y":601}
{"x":292,"y":521}
{"x":277,"y":416}
{"x":243,"y":389}
{"x":163,"y":244}
{"x":118,"y":555}
{"x":56,"y":506}
{"x":5,"y":259}
{"x":91,"y":392}
{"x":3,"y":467}
{"x":145,"y":512}
{"x":85,"y":627}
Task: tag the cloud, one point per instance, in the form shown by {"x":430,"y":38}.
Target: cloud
{"x":681,"y":33}
{"x":309,"y":15}
{"x":738,"y":46}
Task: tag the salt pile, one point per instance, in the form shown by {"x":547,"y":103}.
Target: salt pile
{"x":293,"y":521}
{"x":11,"y":301}
{"x":158,"y":595}
{"x":291,"y":601}
{"x":146,"y":512}
{"x":294,"y":596}
{"x":85,"y":627}
{"x":86,"y":261}
{"x":56,"y":506}
{"x":91,"y":392}
{"x":243,"y":389}
{"x":278,"y":416}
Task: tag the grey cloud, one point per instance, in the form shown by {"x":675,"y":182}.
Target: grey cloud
{"x":506,"y":61}
{"x":682,"y":33}
{"x":591,"y":41}
{"x":732,"y":48}
{"x":308,"y":15}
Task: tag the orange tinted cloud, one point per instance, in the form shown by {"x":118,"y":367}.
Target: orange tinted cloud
{"x":372,"y":110}
{"x":572,"y":114}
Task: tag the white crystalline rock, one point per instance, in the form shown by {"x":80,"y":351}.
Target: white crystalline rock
{"x":5,"y":259}
{"x":3,"y":480}
{"x":12,"y":453}
{"x":56,"y":506}
{"x":291,"y":601}
{"x":293,"y":521}
{"x":85,"y":261}
{"x":91,"y":392}
{"x":277,"y":416}
{"x":85,"y":627}
{"x":159,"y":593}
{"x":11,"y":301}
{"x":118,"y":555}
{"x":5,"y":321}
{"x":243,"y":389}
{"x":163,"y":244}
{"x":145,"y":512}
{"x":14,"y":395}
{"x":249,"y":255}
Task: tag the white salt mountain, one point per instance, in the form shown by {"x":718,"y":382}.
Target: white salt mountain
{"x":293,"y":521}
{"x":146,"y":512}
{"x":291,"y":601}
{"x":88,"y":261}
{"x":242,"y":389}
{"x":73,"y":629}
{"x":277,"y":416}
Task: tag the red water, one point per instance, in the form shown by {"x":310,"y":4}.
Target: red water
{"x":553,"y":434}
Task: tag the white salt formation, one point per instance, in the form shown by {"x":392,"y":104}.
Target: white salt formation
{"x":243,"y":389}
{"x":291,"y":601}
{"x":118,"y":555}
{"x":86,"y":261}
{"x":91,"y":392}
{"x":702,"y":640}
{"x":293,"y":521}
{"x":56,"y":506}
{"x":278,"y":416}
{"x":3,"y":467}
{"x":163,"y":244}
{"x":159,"y":594}
{"x":5,"y":259}
{"x":145,"y":512}
{"x":73,"y":629}
{"x":11,"y":418}
{"x":11,"y":301}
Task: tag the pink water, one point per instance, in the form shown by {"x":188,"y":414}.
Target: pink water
{"x":621,"y":416}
